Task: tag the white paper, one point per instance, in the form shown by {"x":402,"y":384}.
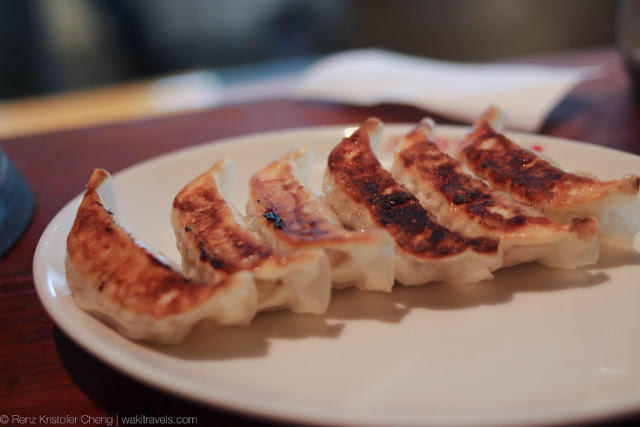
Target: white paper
{"x":460,"y":91}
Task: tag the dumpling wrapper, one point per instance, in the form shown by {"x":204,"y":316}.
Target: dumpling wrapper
{"x":366,"y":196}
{"x":467,"y":205}
{"x":215,"y":241}
{"x":292,"y":217}
{"x":133,"y":288}
{"x":530,"y":179}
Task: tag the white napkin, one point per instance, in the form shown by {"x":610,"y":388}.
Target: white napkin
{"x":460,"y":91}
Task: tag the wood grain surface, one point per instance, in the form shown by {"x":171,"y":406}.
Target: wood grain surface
{"x":42,"y":372}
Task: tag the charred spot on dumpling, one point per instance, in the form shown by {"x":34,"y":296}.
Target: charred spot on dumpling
{"x":371,"y":187}
{"x":395,"y":199}
{"x":517,"y":220}
{"x":216,"y":262}
{"x":273,"y":218}
{"x":484,"y":244}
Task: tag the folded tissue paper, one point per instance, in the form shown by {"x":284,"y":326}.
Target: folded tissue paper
{"x":459,"y":91}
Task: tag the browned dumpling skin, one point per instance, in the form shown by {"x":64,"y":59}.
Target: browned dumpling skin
{"x":466,"y":204}
{"x":117,"y":279}
{"x":525,"y":176}
{"x":205,"y":223}
{"x":215,"y":241}
{"x":291,"y":216}
{"x":366,"y":196}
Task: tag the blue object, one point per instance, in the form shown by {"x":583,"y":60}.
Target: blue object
{"x":16,"y":204}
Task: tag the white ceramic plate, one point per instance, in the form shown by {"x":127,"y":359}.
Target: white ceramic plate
{"x":533,"y":346}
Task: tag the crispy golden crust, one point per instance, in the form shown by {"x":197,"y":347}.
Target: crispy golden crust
{"x":208,"y":221}
{"x":120,"y":269}
{"x":506,"y":166}
{"x":357,"y":171}
{"x":469,"y":196}
{"x":215,"y":242}
{"x":296,"y":215}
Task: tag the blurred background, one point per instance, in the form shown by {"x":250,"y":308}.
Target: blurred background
{"x":49,"y":46}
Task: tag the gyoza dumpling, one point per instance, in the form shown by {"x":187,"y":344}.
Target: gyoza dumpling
{"x":366,"y":196}
{"x":215,"y":242}
{"x":290,"y":216}
{"x":529,"y":179}
{"x":138,"y":292}
{"x":467,"y":205}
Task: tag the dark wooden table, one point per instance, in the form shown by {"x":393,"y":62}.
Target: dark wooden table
{"x":42,"y":372}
